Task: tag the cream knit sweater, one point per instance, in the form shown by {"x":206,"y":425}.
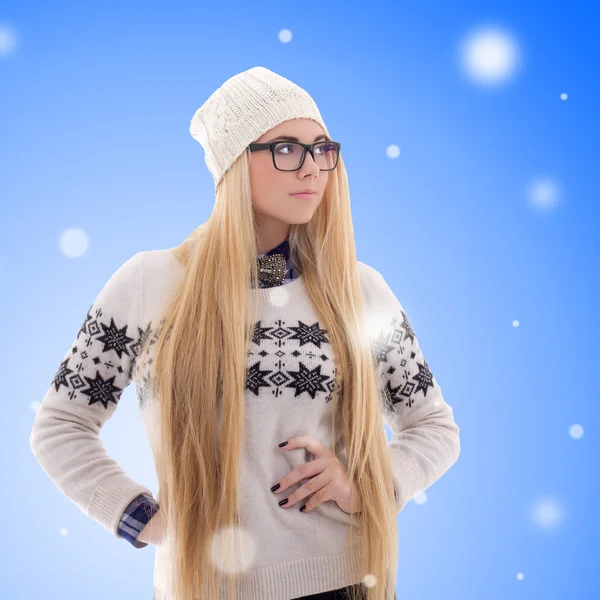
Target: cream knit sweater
{"x":289,"y":387}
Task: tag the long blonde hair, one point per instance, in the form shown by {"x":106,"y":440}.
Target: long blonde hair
{"x":199,"y":378}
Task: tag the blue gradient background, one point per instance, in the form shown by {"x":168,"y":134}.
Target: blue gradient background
{"x":95,"y":105}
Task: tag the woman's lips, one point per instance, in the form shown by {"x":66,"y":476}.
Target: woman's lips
{"x":308,"y":196}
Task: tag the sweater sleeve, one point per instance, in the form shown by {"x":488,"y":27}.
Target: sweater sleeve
{"x":425,"y":441}
{"x":83,"y":395}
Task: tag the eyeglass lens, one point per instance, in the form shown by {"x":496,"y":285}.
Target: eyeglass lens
{"x":288,"y":155}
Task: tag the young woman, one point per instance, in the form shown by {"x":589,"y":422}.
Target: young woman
{"x":266,"y":360}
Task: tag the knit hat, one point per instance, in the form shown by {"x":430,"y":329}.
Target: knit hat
{"x":245,"y":107}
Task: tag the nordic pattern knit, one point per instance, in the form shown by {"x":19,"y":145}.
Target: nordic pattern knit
{"x":289,"y":386}
{"x":144,"y":506}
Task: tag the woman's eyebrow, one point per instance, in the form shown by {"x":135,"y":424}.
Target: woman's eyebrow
{"x":290,"y":138}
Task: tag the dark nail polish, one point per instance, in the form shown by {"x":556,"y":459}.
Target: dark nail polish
{"x":282,"y":502}
{"x":282,"y":444}
{"x":275,"y":487}
{"x":302,"y":507}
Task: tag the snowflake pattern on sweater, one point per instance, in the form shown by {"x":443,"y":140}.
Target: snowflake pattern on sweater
{"x":144,"y":506}
{"x":101,"y":361}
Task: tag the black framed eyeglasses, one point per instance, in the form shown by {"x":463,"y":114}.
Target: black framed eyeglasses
{"x":289,"y":156}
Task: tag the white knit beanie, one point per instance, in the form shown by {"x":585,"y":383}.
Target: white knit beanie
{"x":245,"y":107}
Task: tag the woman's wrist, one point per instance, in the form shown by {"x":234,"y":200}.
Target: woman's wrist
{"x":152,"y":532}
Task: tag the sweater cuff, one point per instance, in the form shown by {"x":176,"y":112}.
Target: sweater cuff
{"x":111,"y":498}
{"x":405,"y":481}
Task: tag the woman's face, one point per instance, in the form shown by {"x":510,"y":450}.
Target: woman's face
{"x":271,"y":188}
